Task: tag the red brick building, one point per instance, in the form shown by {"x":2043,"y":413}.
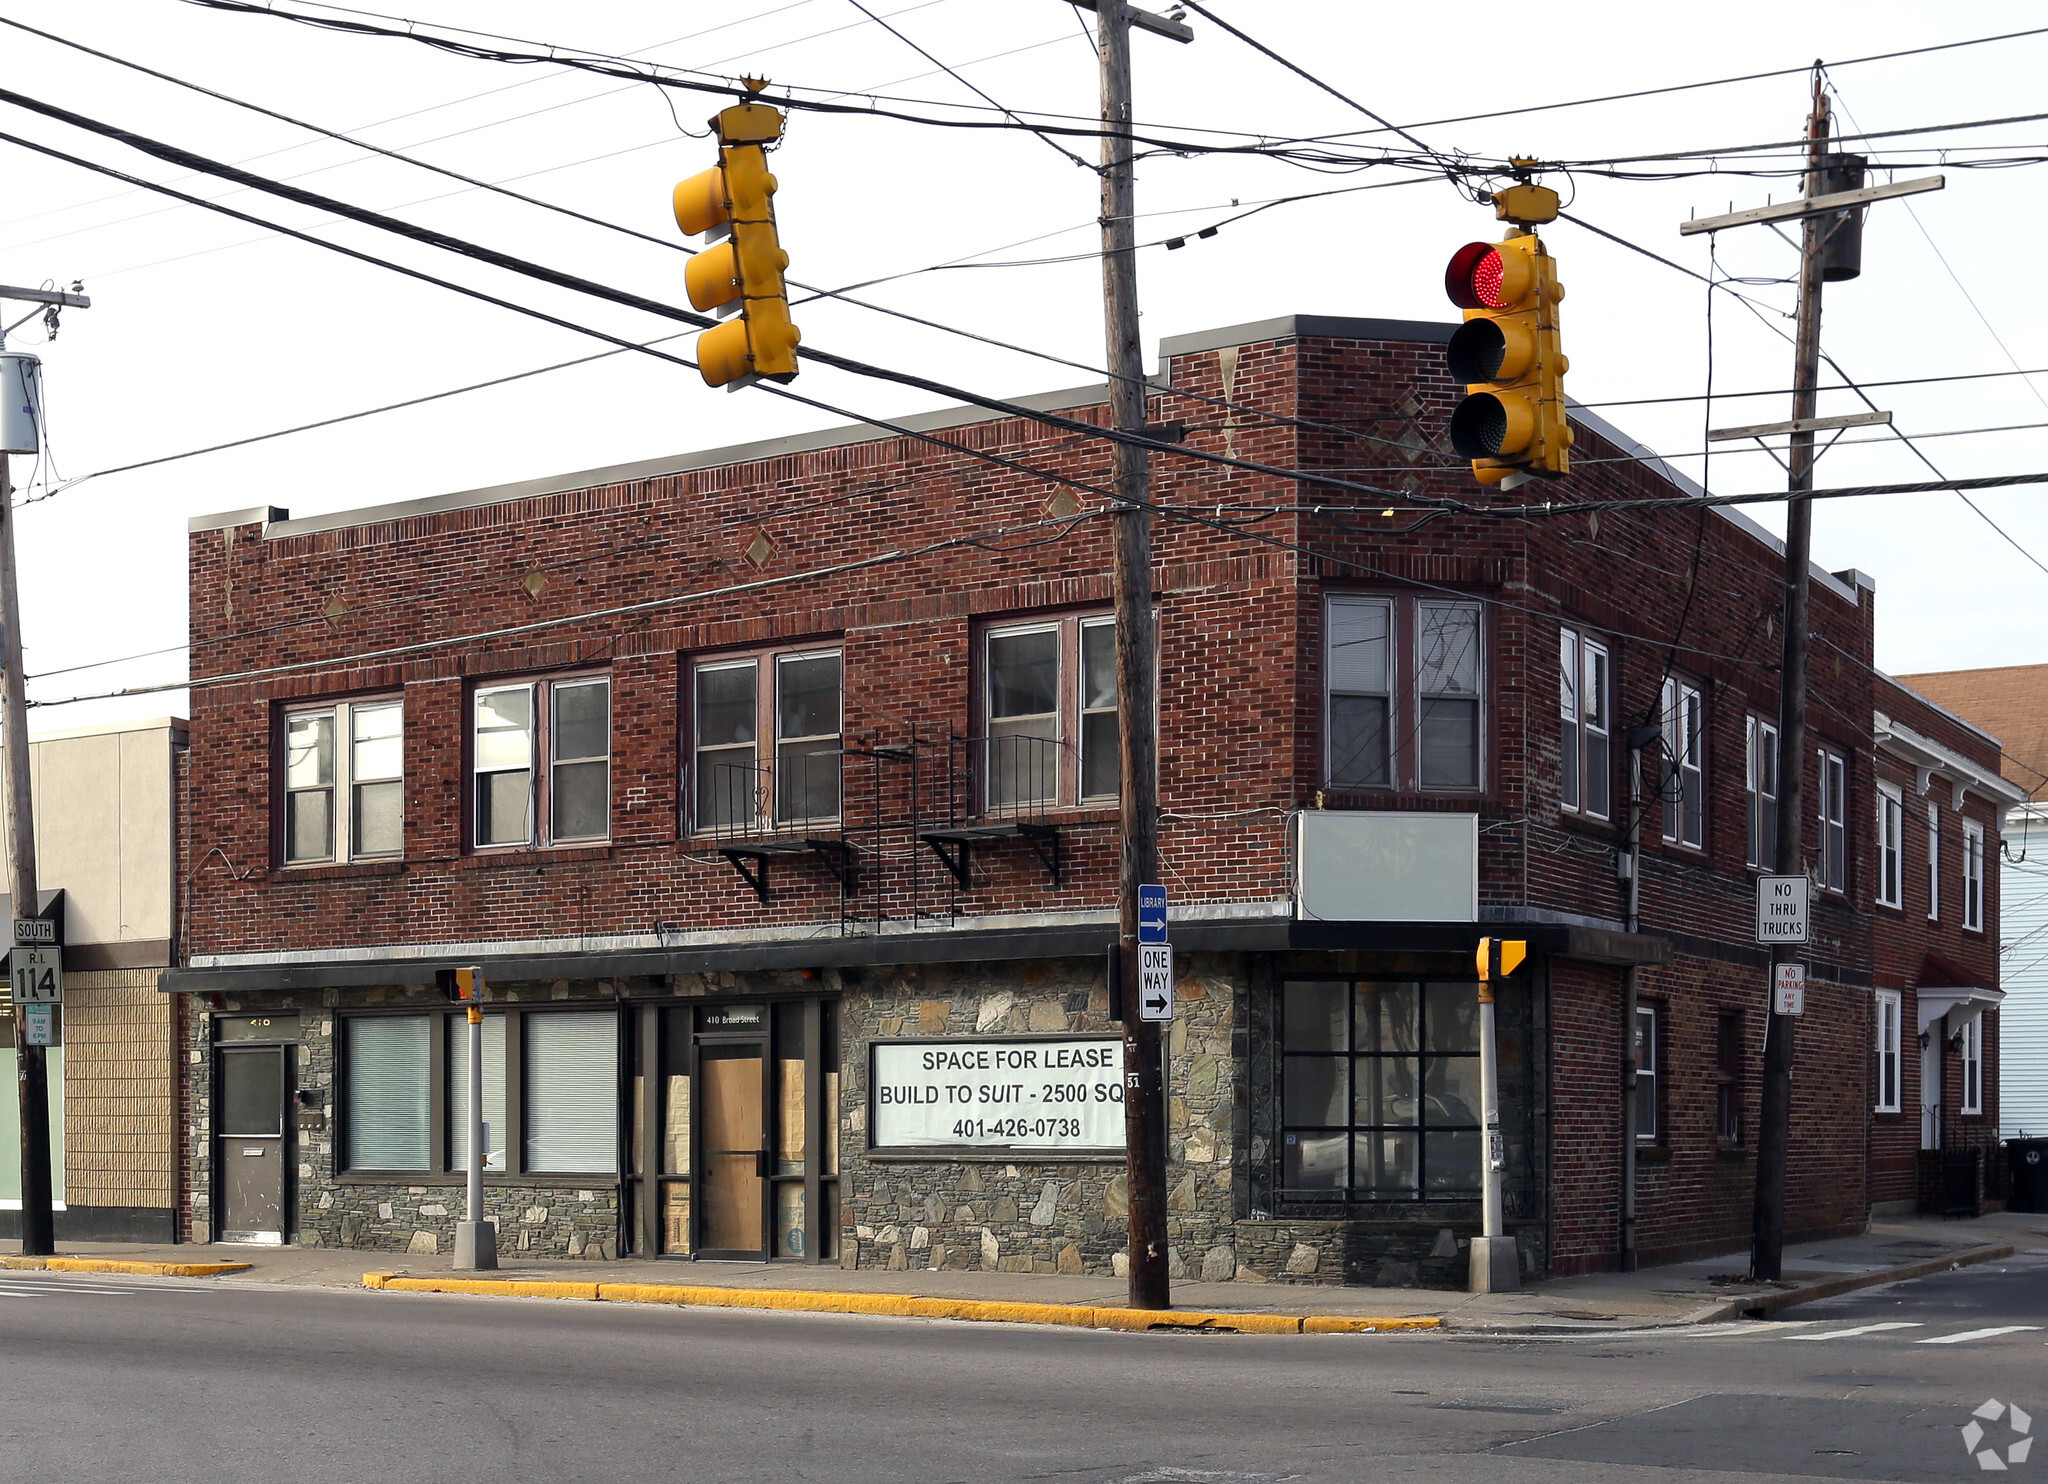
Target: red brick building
{"x":774,"y":787}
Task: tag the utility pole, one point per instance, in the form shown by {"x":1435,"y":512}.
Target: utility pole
{"x":1831,"y":249}
{"x":1774,"y":1131}
{"x":1137,"y":648}
{"x":18,"y":378}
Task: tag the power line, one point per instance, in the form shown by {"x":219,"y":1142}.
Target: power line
{"x":1284,"y":149}
{"x":1006,"y":113}
{"x":1780,"y":391}
{"x":575,"y":283}
{"x":1740,"y":149}
{"x":1713,"y":82}
{"x":840,"y":294}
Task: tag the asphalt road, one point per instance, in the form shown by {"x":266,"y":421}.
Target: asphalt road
{"x":113,"y":1379}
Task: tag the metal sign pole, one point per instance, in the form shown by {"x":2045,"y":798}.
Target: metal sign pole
{"x":476,"y":1240}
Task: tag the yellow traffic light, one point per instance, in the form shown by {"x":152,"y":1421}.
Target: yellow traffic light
{"x":1499,"y":957}
{"x":1509,"y":357}
{"x":741,"y":271}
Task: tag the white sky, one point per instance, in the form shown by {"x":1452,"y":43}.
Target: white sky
{"x":204,"y":329}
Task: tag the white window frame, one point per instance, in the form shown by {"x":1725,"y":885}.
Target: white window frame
{"x":1762,"y":783}
{"x":1585,"y":722}
{"x":1933,"y":861}
{"x":1891,"y":846}
{"x":1887,"y":1011}
{"x":1683,"y":773}
{"x":1648,"y":1068}
{"x":1973,"y":876}
{"x":1831,"y":810}
{"x":343,"y":786}
{"x":1973,"y":1064}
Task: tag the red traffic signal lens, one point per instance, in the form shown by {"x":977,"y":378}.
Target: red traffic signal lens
{"x":1476,"y":277}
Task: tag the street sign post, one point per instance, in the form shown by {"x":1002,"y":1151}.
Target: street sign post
{"x":37,"y":975}
{"x":1151,"y":914}
{"x":1788,"y":989}
{"x":1155,"y":981}
{"x":1781,"y":903}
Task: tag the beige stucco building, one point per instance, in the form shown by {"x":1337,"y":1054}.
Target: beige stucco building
{"x":106,"y":850}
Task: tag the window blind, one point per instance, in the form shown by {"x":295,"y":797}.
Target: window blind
{"x":495,"y":1131}
{"x":389,"y":1119}
{"x":572,"y":1103}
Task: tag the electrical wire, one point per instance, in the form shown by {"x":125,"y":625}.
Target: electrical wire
{"x":1781,"y":391}
{"x":841,"y":294}
{"x":1006,"y":113}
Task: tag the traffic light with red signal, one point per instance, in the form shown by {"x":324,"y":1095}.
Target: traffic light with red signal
{"x":1508,"y":355}
{"x":740,"y":270}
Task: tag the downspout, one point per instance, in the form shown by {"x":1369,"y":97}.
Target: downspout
{"x":1630,"y":868}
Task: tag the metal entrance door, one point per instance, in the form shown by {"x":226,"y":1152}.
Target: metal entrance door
{"x":251,"y":1147}
{"x":732,"y":1177}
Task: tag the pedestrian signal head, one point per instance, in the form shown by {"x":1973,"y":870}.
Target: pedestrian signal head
{"x":461,"y":986}
{"x":1499,"y":957}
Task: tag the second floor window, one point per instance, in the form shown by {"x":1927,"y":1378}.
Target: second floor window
{"x":1832,"y":808}
{"x":1050,"y":714}
{"x":1933,"y":861}
{"x":1763,"y":794}
{"x":344,"y":783}
{"x":541,"y":757}
{"x":768,"y":739}
{"x":1682,"y":772}
{"x":1973,"y":876}
{"x":1582,"y":703}
{"x":1891,"y":846}
{"x":1404,"y":678}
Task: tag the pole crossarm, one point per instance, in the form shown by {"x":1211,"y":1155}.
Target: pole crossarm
{"x":1787,"y":211}
{"x":1799,"y":425}
{"x":46,"y":296}
{"x":1159,"y":25}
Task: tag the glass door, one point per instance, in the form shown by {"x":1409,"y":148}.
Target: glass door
{"x":732,"y":1173}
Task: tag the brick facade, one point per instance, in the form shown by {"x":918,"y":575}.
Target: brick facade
{"x":642,"y":573}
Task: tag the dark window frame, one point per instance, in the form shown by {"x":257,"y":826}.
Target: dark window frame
{"x":1406,"y":704}
{"x":1586,"y":723}
{"x":766,"y":813}
{"x":1070,"y":744}
{"x":444,"y":1142}
{"x":1831,"y":818}
{"x":1349,"y":1193}
{"x":1648,"y":1091}
{"x":1763,"y":790}
{"x":542,"y":760}
{"x":1728,"y":1078}
{"x":1682,"y":763}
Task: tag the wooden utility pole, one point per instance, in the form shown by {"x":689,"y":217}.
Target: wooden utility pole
{"x":1774,"y":1126}
{"x":38,"y":1235}
{"x":1137,"y":663}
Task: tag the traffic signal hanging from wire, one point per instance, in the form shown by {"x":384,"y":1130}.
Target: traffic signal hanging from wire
{"x":740,"y":270}
{"x":1507,"y":352}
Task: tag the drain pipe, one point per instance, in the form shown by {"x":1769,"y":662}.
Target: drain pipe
{"x":1629,"y":866}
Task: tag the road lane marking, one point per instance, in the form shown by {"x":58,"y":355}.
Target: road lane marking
{"x":1977,"y":1334}
{"x":1755,"y":1330}
{"x":1867,"y":1329}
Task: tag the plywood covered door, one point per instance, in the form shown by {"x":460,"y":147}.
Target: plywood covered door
{"x":732,"y":1184}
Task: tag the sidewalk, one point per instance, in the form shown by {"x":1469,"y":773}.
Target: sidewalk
{"x":1685,"y":1293}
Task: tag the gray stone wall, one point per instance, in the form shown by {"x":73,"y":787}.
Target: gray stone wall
{"x":552,"y":1220}
{"x":1012,"y":1214}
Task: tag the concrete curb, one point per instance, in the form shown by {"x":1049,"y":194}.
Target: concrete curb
{"x":909,"y":1306}
{"x":113,"y":1265}
{"x":1763,"y":1305}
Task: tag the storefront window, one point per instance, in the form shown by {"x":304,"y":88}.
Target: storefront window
{"x":1379,"y":1090}
{"x":551,"y":1092}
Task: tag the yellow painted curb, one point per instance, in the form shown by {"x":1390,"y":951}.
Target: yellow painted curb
{"x":906,"y":1306}
{"x":113,"y":1265}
